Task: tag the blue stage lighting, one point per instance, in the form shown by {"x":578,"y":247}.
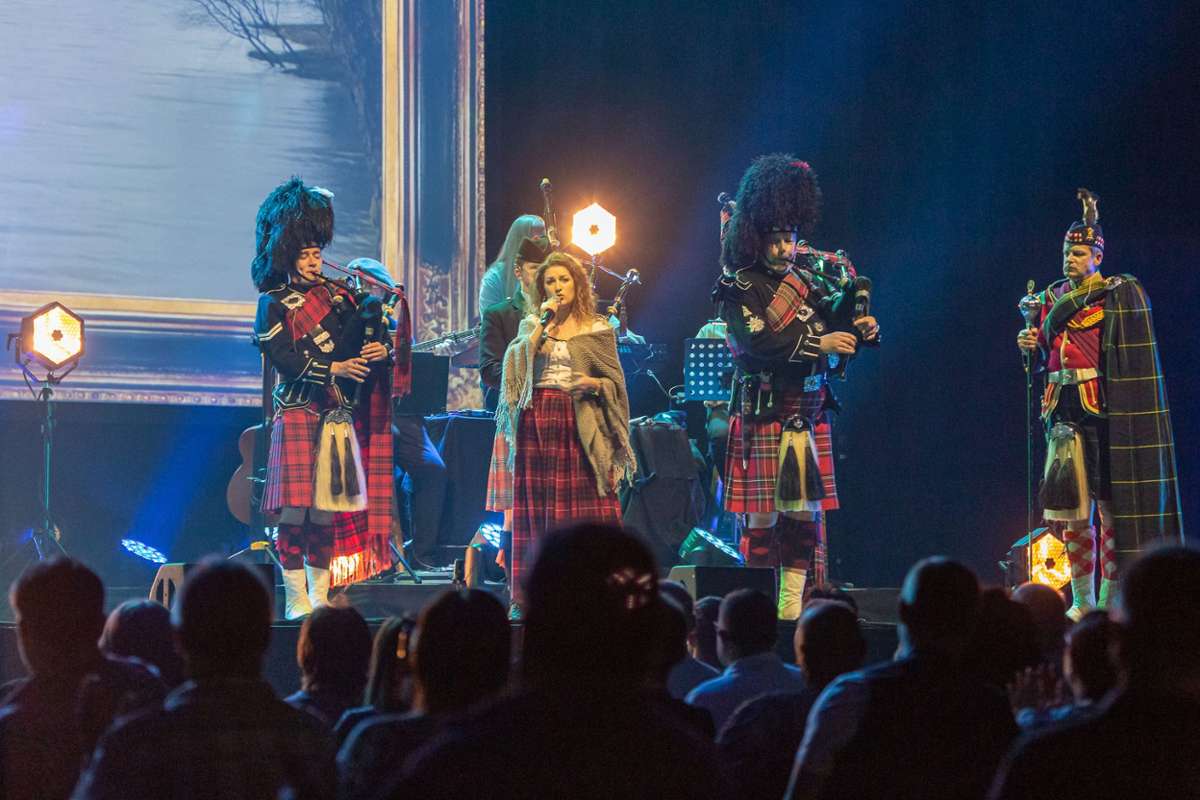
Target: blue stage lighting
{"x":701,"y":547}
{"x":143,"y":550}
{"x":490,"y":532}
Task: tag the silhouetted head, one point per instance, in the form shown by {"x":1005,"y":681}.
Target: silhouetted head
{"x":1159,"y":612}
{"x":1049,"y":611}
{"x":59,"y":606}
{"x":1088,"y":664}
{"x":333,"y":650}
{"x":389,"y":677}
{"x":591,"y":611}
{"x":671,"y":645}
{"x":939,"y":605}
{"x":836,"y":594}
{"x":828,"y":641}
{"x":1005,"y":640}
{"x":223,"y":620}
{"x":746,"y":625}
{"x":142,"y":629}
{"x":461,"y":651}
{"x":677,"y":592}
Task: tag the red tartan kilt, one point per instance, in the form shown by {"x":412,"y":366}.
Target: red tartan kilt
{"x":290,"y":462}
{"x":751,"y":489}
{"x":553,"y":483}
{"x":500,"y":479}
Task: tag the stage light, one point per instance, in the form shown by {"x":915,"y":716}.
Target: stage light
{"x":489,"y":532}
{"x":593,"y":230}
{"x":143,"y":550}
{"x":52,"y":335}
{"x":1048,"y":557}
{"x":701,"y":548}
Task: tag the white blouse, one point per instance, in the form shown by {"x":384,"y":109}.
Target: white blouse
{"x":552,"y":365}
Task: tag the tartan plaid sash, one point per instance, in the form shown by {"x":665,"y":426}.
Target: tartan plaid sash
{"x":318,"y":303}
{"x":787,"y":303}
{"x":1145,"y":491}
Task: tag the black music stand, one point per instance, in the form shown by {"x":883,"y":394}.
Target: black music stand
{"x":707,"y":369}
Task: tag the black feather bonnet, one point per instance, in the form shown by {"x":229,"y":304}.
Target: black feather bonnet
{"x":293,"y":216}
{"x":777,"y":192}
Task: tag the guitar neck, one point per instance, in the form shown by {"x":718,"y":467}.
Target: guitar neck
{"x":453,"y":339}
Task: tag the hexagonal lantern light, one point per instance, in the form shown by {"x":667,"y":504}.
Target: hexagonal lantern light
{"x":1044,"y":562}
{"x":52,"y":335}
{"x":593,"y":230}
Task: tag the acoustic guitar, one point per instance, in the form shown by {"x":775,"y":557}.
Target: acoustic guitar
{"x":244,"y":493}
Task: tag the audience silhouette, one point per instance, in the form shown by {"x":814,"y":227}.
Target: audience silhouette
{"x":223,"y":733}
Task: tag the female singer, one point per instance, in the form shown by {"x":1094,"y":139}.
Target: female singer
{"x":500,"y":281}
{"x":564,"y":413}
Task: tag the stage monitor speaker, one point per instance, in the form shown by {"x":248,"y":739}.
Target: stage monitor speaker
{"x":169,"y":580}
{"x":720,"y":581}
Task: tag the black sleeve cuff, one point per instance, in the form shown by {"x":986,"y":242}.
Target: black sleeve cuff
{"x":317,"y":371}
{"x":807,"y":349}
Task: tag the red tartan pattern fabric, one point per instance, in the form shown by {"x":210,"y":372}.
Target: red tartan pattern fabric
{"x":790,"y":543}
{"x":290,"y":462}
{"x":788,"y":302}
{"x":553,"y":484}
{"x":318,"y":302}
{"x":360,"y":539}
{"x":297,"y":544}
{"x":751,"y":489}
{"x":500,"y":479}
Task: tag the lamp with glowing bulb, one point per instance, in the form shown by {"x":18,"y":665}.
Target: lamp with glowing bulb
{"x":1043,"y":561}
{"x":49,"y":339}
{"x":593,"y":230}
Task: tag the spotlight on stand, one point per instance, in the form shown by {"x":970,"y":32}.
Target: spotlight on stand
{"x":700,"y":548}
{"x":51,"y":338}
{"x":1047,"y":557}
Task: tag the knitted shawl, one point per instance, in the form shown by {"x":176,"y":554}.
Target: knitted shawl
{"x":602,"y":421}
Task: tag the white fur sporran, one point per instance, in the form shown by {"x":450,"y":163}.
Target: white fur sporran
{"x":339,"y":480}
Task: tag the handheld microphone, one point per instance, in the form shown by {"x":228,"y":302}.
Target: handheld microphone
{"x":862,"y":297}
{"x":548,"y":315}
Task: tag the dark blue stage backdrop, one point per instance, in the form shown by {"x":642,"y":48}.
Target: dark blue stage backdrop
{"x":950,"y":139}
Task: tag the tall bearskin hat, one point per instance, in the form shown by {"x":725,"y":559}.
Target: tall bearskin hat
{"x":293,"y":216}
{"x":1087,"y":230}
{"x":778,"y":192}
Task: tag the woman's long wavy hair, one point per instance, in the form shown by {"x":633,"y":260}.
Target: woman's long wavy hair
{"x":506,"y":259}
{"x":583,"y":309}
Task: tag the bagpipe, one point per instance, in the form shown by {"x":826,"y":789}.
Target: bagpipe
{"x":379,"y":308}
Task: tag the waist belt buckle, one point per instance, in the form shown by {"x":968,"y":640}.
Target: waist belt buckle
{"x":814,"y":383}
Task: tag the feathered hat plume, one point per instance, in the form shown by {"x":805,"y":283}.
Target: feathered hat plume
{"x":777,"y":192}
{"x":1087,"y":230}
{"x":293,"y":216}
